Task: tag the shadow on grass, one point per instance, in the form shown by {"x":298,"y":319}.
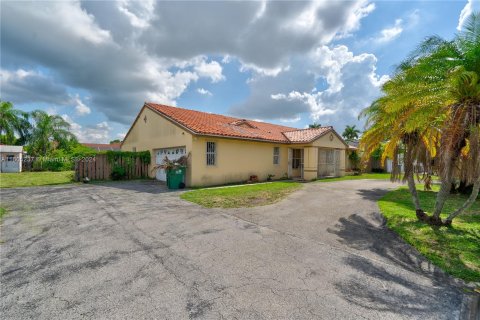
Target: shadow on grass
{"x":374,"y":194}
{"x":394,"y":285}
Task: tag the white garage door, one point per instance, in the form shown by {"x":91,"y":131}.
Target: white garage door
{"x":171,"y":154}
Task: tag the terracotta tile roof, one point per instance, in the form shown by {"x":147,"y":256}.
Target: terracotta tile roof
{"x":103,"y":146}
{"x":215,"y":124}
{"x":205,"y":123}
{"x":306,"y":135}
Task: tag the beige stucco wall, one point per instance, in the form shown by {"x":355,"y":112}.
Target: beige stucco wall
{"x":310,"y":162}
{"x":157,"y":132}
{"x":236,"y":161}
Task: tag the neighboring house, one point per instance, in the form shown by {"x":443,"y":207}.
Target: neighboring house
{"x":224,"y":149}
{"x":103,"y":146}
{"x":11,"y":157}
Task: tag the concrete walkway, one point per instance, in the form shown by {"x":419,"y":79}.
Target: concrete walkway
{"x":134,"y":250}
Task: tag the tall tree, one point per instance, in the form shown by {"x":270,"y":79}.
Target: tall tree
{"x":13,"y":123}
{"x":435,"y":98}
{"x":350,"y":133}
{"x":314,"y":125}
{"x":49,"y":132}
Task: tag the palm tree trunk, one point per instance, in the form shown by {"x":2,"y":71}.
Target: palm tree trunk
{"x":413,"y":191}
{"x":467,"y":204}
{"x":442,"y":197}
{"x":444,"y":192}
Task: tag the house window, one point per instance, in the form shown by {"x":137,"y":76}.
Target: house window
{"x":10,"y":158}
{"x":211,"y":153}
{"x":276,"y":155}
{"x":296,"y":158}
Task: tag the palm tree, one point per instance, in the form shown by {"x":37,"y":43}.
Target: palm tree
{"x":12,"y":122}
{"x":435,"y":98}
{"x":459,"y":61}
{"x":350,"y":133}
{"x":314,"y":125}
{"x":388,"y":123}
{"x":49,"y":131}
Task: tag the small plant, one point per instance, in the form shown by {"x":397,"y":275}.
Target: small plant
{"x":270,"y":176}
{"x":118,"y":173}
{"x":169,"y":165}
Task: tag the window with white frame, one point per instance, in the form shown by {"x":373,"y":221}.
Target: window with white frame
{"x":211,"y":153}
{"x":276,"y":155}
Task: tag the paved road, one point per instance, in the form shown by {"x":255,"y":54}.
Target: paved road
{"x":131,"y":250}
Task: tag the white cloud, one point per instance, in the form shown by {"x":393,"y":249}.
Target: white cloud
{"x":313,"y":101}
{"x":271,"y":72}
{"x":70,"y":16}
{"x":470,"y":7}
{"x":97,"y":133}
{"x":351,"y":85}
{"x":139,"y":13}
{"x":80,"y":108}
{"x":391,"y":33}
{"x":203,"y":91}
{"x":212,"y":70}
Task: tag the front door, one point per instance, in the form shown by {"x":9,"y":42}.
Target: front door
{"x":171,"y":154}
{"x":295,"y":163}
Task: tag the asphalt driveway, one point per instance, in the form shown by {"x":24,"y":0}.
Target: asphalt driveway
{"x":132,"y":250}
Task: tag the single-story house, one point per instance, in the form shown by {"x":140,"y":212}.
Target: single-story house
{"x":11,"y":157}
{"x":103,"y":146}
{"x":223,"y":149}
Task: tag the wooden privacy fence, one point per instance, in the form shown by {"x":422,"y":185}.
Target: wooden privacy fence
{"x":99,"y":167}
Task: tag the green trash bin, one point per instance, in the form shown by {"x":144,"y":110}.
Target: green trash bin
{"x":176,"y":178}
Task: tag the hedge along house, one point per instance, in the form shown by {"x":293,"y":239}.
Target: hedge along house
{"x":224,"y":149}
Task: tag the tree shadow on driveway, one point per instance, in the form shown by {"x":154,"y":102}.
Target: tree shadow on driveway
{"x":140,"y":186}
{"x":390,"y":275}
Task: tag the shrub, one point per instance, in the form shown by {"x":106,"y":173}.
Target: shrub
{"x":118,"y":172}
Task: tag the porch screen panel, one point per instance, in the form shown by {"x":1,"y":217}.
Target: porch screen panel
{"x":337,"y":163}
{"x":328,"y":161}
{"x":322,"y":163}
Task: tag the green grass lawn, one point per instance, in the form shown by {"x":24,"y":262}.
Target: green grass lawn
{"x":241,"y":196}
{"x":456,"y":250}
{"x":381,"y":176}
{"x":28,"y":179}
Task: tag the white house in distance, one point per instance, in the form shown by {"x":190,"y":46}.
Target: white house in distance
{"x":11,"y":157}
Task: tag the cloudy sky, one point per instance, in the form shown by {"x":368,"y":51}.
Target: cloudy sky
{"x":292,"y":63}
